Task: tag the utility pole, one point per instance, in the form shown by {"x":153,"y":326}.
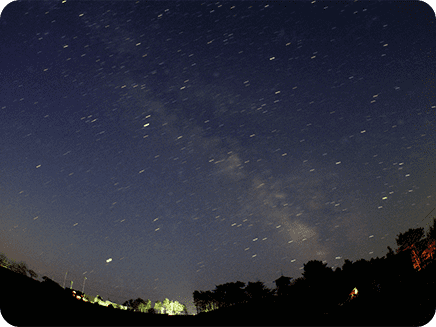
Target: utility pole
{"x":83,"y":288}
{"x":65,"y":278}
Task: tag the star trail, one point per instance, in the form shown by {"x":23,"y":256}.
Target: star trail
{"x":157,"y":148}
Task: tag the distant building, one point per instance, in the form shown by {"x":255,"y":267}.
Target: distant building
{"x":282,"y":285}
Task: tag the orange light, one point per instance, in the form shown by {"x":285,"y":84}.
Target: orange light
{"x":420,"y":261}
{"x":428,"y":253}
{"x":354,"y":292}
{"x":415,"y":259}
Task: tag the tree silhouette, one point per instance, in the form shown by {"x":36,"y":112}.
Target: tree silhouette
{"x":138,"y":305}
{"x":178,"y":308}
{"x":429,"y":253}
{"x":390,"y":252}
{"x":407,"y":239}
{"x":210,"y":301}
{"x":19,"y":268}
{"x":99,"y":300}
{"x":235,"y":293}
{"x":158,"y":306}
{"x":166,"y":304}
{"x":347,"y":265}
{"x":90,"y":298}
{"x":298,"y":287}
{"x":32,"y":274}
{"x":152,"y":311}
{"x":173,"y":307}
{"x":315,"y":270}
{"x":431,"y":234}
{"x":319,"y":280}
{"x":141,"y":305}
{"x":184,"y":310}
{"x":205,"y":301}
{"x":229,"y":294}
{"x":129,"y":304}
{"x":255,"y":291}
{"x":219,"y":295}
{"x":198,"y":301}
{"x":4,"y":260}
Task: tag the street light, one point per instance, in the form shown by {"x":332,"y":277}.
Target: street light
{"x":83,"y":288}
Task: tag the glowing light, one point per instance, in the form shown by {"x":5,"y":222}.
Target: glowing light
{"x":420,"y":261}
{"x":109,"y":260}
{"x":353,"y":293}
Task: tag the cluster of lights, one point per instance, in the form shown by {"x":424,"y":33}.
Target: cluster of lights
{"x":79,"y":297}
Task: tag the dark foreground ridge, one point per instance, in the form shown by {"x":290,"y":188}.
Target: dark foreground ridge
{"x":28,"y":302}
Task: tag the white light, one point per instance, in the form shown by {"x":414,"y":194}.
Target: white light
{"x":109,"y":260}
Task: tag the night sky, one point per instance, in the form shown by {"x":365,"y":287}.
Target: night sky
{"x":200,"y":143}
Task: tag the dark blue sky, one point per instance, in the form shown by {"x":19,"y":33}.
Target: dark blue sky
{"x":199,"y":143}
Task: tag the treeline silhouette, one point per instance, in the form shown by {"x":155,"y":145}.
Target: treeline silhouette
{"x":397,"y":289}
{"x":18,"y":267}
{"x":229,"y":294}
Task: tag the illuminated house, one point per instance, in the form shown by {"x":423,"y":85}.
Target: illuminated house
{"x":354,"y":293}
